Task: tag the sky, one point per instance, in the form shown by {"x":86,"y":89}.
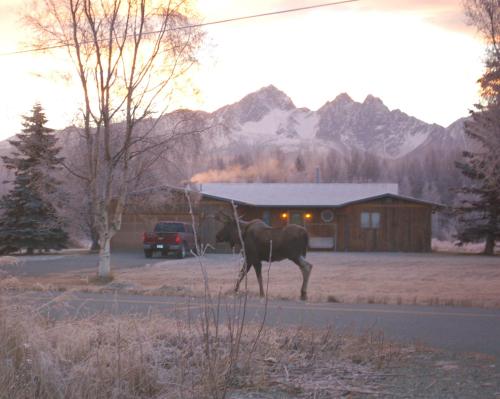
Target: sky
{"x":418,"y":56}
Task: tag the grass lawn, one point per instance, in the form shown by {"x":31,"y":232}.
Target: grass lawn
{"x":396,"y":278}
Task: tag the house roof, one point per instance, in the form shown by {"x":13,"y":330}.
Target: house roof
{"x":299,"y":194}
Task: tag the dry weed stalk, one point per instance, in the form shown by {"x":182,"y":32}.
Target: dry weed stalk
{"x":151,"y":357}
{"x":222,"y":354}
{"x":220,"y":364}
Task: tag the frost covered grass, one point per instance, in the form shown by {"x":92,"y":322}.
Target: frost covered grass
{"x":393,"y":278}
{"x":152,"y":357}
{"x":451,"y":247}
{"x":9,"y":261}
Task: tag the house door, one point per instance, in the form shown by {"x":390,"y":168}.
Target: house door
{"x":296,"y":218}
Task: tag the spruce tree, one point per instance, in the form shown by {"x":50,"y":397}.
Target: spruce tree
{"x":479,"y":211}
{"x":28,"y":219}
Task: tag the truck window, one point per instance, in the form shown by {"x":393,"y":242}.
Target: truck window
{"x":169,"y":228}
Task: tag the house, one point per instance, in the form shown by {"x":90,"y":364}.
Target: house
{"x":338,"y":216}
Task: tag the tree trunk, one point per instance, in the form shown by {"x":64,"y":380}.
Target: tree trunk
{"x":490,"y":244}
{"x":105,"y":257}
{"x":95,"y":245}
{"x":94,"y":235}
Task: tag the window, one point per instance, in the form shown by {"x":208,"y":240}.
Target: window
{"x":365,"y":220}
{"x":296,"y":218}
{"x":266,"y":217}
{"x":327,"y":215}
{"x":370,"y":220}
{"x":169,"y":227}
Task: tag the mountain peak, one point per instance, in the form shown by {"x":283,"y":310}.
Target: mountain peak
{"x":343,"y":98}
{"x":254,"y":106}
{"x":341,"y":101}
{"x":274,"y":97}
{"x":374,"y":102}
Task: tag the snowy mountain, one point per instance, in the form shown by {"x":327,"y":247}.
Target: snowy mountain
{"x":266,"y":125}
{"x":268,"y":117}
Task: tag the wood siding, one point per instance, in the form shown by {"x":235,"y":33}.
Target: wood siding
{"x":404,"y":225}
{"x":134,"y":225}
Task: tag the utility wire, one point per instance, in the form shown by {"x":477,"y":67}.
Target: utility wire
{"x":221,"y":21}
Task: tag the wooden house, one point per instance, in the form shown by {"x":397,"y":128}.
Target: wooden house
{"x":338,"y":217}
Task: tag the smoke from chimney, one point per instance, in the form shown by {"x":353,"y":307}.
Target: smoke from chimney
{"x":269,"y":170}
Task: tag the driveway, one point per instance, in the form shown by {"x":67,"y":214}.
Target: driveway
{"x":39,"y":265}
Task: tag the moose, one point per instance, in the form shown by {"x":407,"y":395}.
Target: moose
{"x":288,"y":242}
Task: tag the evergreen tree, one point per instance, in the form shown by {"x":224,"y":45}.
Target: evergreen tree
{"x":29,"y":220}
{"x":479,"y":211}
{"x":300,"y":165}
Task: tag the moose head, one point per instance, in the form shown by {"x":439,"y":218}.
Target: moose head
{"x":229,"y":231}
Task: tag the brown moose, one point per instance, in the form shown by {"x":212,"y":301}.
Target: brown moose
{"x":288,"y":242}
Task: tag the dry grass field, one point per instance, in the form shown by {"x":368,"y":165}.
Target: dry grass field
{"x":396,"y":278}
{"x":154,"y":357}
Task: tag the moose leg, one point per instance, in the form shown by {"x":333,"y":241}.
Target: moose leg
{"x":305,"y":268}
{"x":243,"y":272}
{"x":258,"y":272}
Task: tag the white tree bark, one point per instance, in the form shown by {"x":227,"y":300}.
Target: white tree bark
{"x":128,"y":54}
{"x":104,"y":268}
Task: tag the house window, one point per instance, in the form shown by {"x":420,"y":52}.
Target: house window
{"x":266,"y":217}
{"x":327,"y":215}
{"x":296,"y":218}
{"x":365,"y":220}
{"x":370,"y":220}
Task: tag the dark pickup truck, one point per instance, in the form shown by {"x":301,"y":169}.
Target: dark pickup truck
{"x":168,"y":237}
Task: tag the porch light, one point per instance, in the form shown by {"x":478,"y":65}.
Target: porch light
{"x":284,"y":215}
{"x":308,"y":216}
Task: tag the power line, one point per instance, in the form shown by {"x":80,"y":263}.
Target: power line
{"x":221,"y":21}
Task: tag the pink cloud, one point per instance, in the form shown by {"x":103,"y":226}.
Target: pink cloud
{"x":448,"y":14}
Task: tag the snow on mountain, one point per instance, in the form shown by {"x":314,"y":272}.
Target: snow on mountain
{"x":269,"y":117}
{"x":4,"y":145}
{"x":370,"y":126}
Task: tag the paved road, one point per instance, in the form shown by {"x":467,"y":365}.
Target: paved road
{"x":450,"y":328}
{"x":45,"y":264}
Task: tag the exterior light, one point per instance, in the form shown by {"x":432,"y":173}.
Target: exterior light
{"x":308,"y":216}
{"x":284,"y":215}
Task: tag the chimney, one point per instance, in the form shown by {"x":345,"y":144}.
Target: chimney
{"x":318,"y":175}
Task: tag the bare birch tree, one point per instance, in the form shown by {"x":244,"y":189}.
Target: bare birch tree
{"x":129,"y":56}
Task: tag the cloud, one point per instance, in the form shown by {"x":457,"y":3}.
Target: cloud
{"x":447,"y":14}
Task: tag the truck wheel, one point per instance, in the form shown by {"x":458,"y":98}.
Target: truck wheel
{"x":181,"y":254}
{"x":148,"y":253}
